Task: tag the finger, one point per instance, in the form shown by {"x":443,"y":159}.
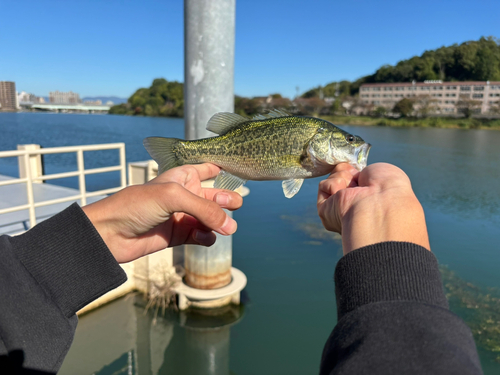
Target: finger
{"x":329,"y":187}
{"x":329,"y":216}
{"x":206,"y":171}
{"x":184,"y":173}
{"x":224,"y":198}
{"x":207,"y":212}
{"x":331,"y":184}
{"x":187,"y":234}
{"x":192,"y":236}
{"x":342,"y":167}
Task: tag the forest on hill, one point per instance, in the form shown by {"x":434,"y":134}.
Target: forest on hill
{"x":470,"y":61}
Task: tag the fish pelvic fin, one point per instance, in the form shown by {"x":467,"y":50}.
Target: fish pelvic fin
{"x":162,"y":151}
{"x":226,"y":180}
{"x":292,"y":186}
{"x":222,"y":122}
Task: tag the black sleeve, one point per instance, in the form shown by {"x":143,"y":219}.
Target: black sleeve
{"x":393,"y":317}
{"x":46,"y":276}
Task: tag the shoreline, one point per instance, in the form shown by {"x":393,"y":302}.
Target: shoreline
{"x":427,"y":122}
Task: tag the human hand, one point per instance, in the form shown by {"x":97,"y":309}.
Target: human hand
{"x":170,"y":210}
{"x":371,"y":206}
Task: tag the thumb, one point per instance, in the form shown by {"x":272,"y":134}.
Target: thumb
{"x":207,"y":212}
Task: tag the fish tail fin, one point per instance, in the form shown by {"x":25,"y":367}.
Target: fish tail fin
{"x":162,"y":151}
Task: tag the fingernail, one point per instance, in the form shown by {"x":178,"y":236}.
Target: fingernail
{"x":222,"y":199}
{"x":202,"y":237}
{"x":229,"y":226}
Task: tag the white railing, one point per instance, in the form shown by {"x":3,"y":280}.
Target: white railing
{"x":29,"y":179}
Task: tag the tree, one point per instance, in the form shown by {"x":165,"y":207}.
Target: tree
{"x":468,"y":107}
{"x":404,"y":107}
{"x":472,"y":60}
{"x":162,"y":98}
{"x":380,"y":111}
{"x":425,"y":105}
{"x":495,"y":108}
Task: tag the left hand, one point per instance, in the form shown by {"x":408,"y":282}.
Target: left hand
{"x":170,"y":210}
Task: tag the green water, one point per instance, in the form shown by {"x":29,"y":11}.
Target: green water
{"x":289,"y":302}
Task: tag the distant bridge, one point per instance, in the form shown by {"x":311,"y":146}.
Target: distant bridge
{"x":71,"y":108}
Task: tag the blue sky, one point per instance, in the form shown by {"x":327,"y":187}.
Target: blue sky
{"x":114,"y":47}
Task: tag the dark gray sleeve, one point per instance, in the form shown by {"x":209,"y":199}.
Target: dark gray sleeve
{"x":46,"y":276}
{"x":393,"y":317}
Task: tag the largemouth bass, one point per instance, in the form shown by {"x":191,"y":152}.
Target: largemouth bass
{"x":275,"y":146}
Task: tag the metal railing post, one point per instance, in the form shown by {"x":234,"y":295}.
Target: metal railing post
{"x":31,"y":173}
{"x":123,"y":164}
{"x":81,"y":177}
{"x":29,"y":189}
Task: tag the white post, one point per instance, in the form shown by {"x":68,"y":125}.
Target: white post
{"x":123,"y":171}
{"x":81,"y":177}
{"x":29,"y":191}
{"x":35,"y":162}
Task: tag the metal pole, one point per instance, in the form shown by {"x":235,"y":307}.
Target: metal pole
{"x":29,"y":189}
{"x":209,"y":27}
{"x":81,"y":177}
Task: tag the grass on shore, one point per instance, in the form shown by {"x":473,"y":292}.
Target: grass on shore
{"x":428,"y":122}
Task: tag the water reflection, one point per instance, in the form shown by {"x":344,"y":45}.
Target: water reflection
{"x":121,"y":338}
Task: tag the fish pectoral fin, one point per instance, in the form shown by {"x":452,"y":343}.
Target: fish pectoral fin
{"x":222,"y":122}
{"x":226,"y":180}
{"x":292,"y":187}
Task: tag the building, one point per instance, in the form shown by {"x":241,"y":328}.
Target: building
{"x":444,"y":96}
{"x":8,"y":97}
{"x":28,"y":98}
{"x":93,"y":102}
{"x":56,"y":97}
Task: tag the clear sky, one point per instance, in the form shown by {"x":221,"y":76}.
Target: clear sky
{"x":107,"y":47}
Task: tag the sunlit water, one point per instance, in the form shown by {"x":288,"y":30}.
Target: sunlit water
{"x":289,"y":307}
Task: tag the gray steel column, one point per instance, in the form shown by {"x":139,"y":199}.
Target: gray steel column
{"x":209,"y":27}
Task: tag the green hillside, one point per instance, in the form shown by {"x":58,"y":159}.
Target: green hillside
{"x":162,"y":98}
{"x":469,"y":61}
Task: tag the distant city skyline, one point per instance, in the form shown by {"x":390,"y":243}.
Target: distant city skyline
{"x":113,"y":48}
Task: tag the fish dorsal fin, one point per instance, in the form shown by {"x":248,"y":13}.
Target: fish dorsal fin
{"x":292,"y":187}
{"x":226,"y":180}
{"x":222,"y":122}
{"x":272,"y":114}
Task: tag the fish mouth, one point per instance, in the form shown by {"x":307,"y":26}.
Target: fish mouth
{"x":361,"y":155}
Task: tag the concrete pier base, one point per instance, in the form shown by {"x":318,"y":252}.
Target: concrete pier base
{"x":212,"y":298}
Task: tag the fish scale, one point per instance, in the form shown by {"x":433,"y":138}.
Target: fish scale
{"x":276,"y":146}
{"x":258,"y":150}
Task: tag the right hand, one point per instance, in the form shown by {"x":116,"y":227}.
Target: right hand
{"x":170,"y":210}
{"x":371,"y":206}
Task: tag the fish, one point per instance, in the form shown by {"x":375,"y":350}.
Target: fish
{"x":272,"y":146}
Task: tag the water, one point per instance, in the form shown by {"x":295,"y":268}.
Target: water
{"x":289,"y":308}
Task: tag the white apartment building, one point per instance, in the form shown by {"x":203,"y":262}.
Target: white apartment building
{"x":26,"y":97}
{"x":445,"y":95}
{"x":70,"y":97}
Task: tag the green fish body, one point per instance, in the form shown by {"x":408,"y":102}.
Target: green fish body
{"x":275,"y":146}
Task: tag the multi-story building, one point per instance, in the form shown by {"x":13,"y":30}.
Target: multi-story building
{"x":8,"y":97}
{"x":70,"y":97}
{"x":26,"y":98}
{"x":93,"y":102}
{"x":444,"y":95}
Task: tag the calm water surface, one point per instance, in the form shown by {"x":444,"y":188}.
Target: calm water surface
{"x":289,"y":308}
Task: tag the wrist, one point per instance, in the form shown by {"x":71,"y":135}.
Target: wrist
{"x":389,"y":217}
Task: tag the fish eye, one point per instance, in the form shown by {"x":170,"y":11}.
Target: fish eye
{"x":350,"y":138}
